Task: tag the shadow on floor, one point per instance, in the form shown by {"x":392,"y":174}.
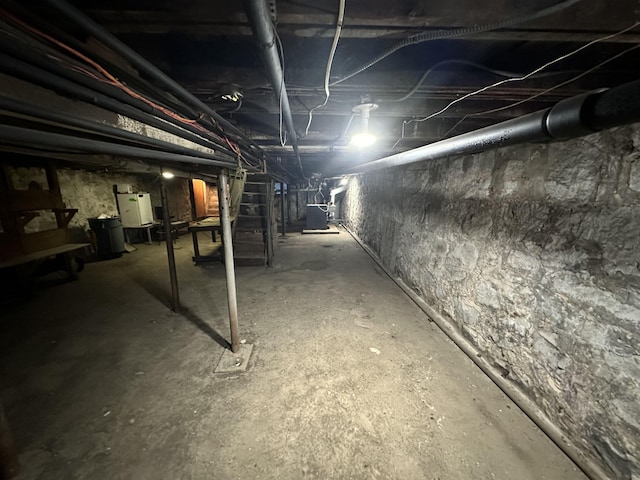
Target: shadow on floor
{"x":203,"y":326}
{"x":161,"y":294}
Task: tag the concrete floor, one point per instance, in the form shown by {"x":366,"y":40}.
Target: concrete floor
{"x":348,"y":378}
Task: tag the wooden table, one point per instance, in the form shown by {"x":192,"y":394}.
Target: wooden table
{"x":176,"y":226}
{"x":210,"y":224}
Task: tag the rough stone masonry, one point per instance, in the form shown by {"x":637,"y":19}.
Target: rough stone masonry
{"x":534,"y":253}
{"x":92,"y":194}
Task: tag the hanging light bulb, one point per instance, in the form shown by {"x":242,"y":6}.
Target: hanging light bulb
{"x":363,"y":138}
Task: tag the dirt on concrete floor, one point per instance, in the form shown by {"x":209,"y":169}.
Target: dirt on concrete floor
{"x":348,"y":378}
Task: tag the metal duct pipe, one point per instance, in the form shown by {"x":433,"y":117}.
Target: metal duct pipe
{"x":143,"y":65}
{"x":336,"y":191}
{"x":260,"y":20}
{"x":28,"y":137}
{"x":570,"y":118}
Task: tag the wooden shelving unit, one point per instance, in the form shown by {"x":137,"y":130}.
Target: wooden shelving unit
{"x":19,"y":207}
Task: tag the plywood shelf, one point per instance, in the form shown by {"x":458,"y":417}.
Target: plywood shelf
{"x":19,"y":207}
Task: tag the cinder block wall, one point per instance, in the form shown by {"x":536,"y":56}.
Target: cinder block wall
{"x":534,"y":253}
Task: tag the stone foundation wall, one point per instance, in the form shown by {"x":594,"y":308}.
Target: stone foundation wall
{"x":297,"y":204}
{"x":92,"y":194}
{"x":534,"y":253}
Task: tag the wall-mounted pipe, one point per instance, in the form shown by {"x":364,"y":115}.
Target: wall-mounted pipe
{"x":570,"y":118}
{"x":260,"y":20}
{"x":528,"y":406}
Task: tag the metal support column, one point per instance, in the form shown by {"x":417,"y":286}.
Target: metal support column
{"x":168,"y":238}
{"x":283,"y":219}
{"x":229,"y":267}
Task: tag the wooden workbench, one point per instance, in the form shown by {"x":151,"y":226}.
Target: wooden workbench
{"x":35,"y":258}
{"x":210,"y":224}
{"x":19,"y":207}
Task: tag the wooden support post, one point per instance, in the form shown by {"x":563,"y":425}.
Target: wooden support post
{"x":54,"y":185}
{"x":64,"y":216}
{"x":67,"y":258}
{"x":288,"y":206}
{"x":225,"y":222}
{"x":173,"y":275}
{"x":23,"y":218}
{"x":269,"y":220}
{"x":9,"y":465}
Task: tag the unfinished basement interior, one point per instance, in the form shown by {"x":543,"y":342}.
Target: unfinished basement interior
{"x":331,"y":239}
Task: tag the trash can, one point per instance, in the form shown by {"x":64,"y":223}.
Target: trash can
{"x":109,"y":236}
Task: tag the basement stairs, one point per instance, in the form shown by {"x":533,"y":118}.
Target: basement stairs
{"x":254,"y":228}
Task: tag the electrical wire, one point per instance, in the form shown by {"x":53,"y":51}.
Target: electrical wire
{"x":237,"y":107}
{"x":516,"y":79}
{"x":544,"y":92}
{"x":114,"y":81}
{"x":29,"y":32}
{"x":327,"y":74}
{"x":319,"y":192}
{"x":458,"y":32}
{"x":109,"y":78}
{"x":79,"y":69}
{"x":418,"y":84}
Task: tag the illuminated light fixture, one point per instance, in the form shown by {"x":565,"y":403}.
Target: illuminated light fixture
{"x":363,"y":138}
{"x":168,"y":175}
{"x":344,"y":181}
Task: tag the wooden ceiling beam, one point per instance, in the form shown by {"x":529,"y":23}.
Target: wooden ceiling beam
{"x":211,"y":22}
{"x":209,"y":30}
